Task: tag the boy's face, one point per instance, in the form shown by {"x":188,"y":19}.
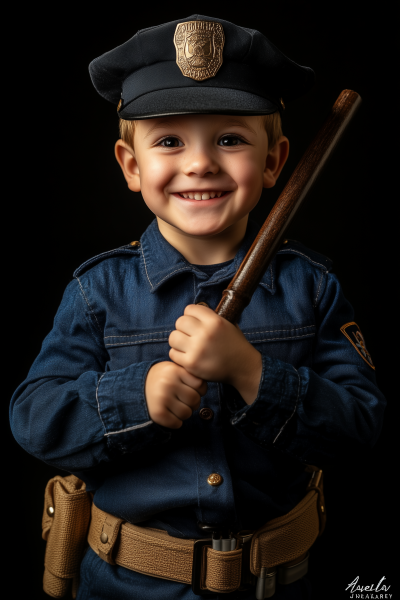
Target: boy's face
{"x":201,"y":174}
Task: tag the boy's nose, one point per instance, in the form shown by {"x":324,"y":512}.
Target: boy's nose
{"x":200,"y":163}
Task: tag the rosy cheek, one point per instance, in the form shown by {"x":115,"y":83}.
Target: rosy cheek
{"x":246,"y":173}
{"x":158,"y":173}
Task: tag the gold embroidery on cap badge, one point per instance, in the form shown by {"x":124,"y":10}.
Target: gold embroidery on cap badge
{"x":199,"y":46}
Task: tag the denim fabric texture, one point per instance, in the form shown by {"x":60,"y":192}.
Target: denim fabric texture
{"x":82,"y":407}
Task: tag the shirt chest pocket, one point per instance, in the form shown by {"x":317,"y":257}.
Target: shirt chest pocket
{"x":291,"y":344}
{"x":127,"y":348}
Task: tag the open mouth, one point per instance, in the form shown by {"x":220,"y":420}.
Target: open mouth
{"x":201,"y":195}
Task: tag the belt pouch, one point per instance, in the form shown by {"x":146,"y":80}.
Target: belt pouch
{"x":65,"y":523}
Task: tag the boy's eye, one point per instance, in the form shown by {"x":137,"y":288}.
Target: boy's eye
{"x":231,"y":140}
{"x":171,"y":142}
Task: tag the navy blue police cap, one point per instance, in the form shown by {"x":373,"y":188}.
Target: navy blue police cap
{"x":198,"y":65}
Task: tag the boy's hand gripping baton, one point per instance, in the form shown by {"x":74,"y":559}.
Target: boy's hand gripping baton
{"x":240,"y":290}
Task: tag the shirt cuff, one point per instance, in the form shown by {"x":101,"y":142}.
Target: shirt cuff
{"x":122,"y":407}
{"x":266,"y":420}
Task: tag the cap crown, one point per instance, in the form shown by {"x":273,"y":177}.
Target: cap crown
{"x":251,"y":63}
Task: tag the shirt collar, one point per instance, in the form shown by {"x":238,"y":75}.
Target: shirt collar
{"x":162,"y":261}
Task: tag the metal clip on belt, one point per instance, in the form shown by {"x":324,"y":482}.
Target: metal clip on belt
{"x":266,"y":583}
{"x":221,"y":540}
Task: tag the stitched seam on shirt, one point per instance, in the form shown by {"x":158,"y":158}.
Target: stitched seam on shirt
{"x":98,"y":402}
{"x":238,"y":419}
{"x":246,"y":333}
{"x":138,"y":342}
{"x":87,"y":302}
{"x":319,"y":288}
{"x":172,"y":272}
{"x":121,"y":250}
{"x":135,"y":334}
{"x":293,"y":337}
{"x":272,"y":277}
{"x":305,"y":256}
{"x":294,"y":410}
{"x":145,"y":267}
{"x":194,"y":288}
{"x":128,"y":428}
{"x":277,"y":330}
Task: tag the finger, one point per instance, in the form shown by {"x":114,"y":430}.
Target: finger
{"x":194,"y":388}
{"x":163,"y":416}
{"x":168,"y":419}
{"x":179,"y":341}
{"x":198,"y":311}
{"x":177,"y":357}
{"x":187,"y":378}
{"x":188,"y":397}
{"x":187,"y":324}
{"x":181,"y":410}
{"x":202,"y":389}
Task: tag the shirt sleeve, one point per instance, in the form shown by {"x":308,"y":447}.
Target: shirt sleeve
{"x":70,"y":411}
{"x":316,"y":414}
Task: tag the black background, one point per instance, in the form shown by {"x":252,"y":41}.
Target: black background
{"x":67,"y":201}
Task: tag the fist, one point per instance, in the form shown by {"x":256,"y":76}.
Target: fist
{"x":211,"y":348}
{"x":172,"y":394}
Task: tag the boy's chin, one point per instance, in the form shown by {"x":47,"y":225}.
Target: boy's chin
{"x":196,"y":228}
{"x":202,"y":231}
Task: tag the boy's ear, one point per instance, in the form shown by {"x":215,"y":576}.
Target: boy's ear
{"x":128,"y":163}
{"x":275,"y":161}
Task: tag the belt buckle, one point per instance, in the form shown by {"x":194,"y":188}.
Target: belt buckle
{"x":197,"y":567}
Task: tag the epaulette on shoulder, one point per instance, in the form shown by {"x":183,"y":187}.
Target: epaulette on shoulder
{"x":131,"y":249}
{"x":315,"y":258}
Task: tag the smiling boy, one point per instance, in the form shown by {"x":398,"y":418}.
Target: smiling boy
{"x":180,"y":423}
{"x":201,"y":175}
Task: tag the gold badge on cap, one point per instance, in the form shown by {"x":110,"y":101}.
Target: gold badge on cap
{"x":199,"y":46}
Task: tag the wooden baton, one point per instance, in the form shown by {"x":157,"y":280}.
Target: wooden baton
{"x":240,"y":290}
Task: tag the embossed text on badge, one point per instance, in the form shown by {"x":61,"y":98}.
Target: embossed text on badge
{"x":199,"y":46}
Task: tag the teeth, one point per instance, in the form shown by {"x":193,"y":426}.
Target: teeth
{"x":201,"y":195}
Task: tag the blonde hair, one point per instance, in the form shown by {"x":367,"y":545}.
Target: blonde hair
{"x":272,"y":124}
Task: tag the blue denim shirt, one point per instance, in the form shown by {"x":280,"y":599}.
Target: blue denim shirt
{"x":82,"y":407}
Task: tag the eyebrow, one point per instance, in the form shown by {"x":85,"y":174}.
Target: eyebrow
{"x":238,"y":123}
{"x":162,"y":125}
{"x":171,"y":122}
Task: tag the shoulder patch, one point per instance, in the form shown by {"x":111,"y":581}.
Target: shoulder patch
{"x":128,"y":249}
{"x":356,"y":338}
{"x":315,"y":258}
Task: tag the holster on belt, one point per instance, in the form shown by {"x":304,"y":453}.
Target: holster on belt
{"x":280,"y":543}
{"x":65,"y":524}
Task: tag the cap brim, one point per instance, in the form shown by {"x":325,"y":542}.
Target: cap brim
{"x":195,"y":100}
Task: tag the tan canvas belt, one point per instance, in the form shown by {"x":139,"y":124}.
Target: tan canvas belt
{"x":274,"y":551}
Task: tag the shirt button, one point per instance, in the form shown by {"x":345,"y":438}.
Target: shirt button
{"x":214,"y":479}
{"x":206,"y":414}
{"x":203,"y":304}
